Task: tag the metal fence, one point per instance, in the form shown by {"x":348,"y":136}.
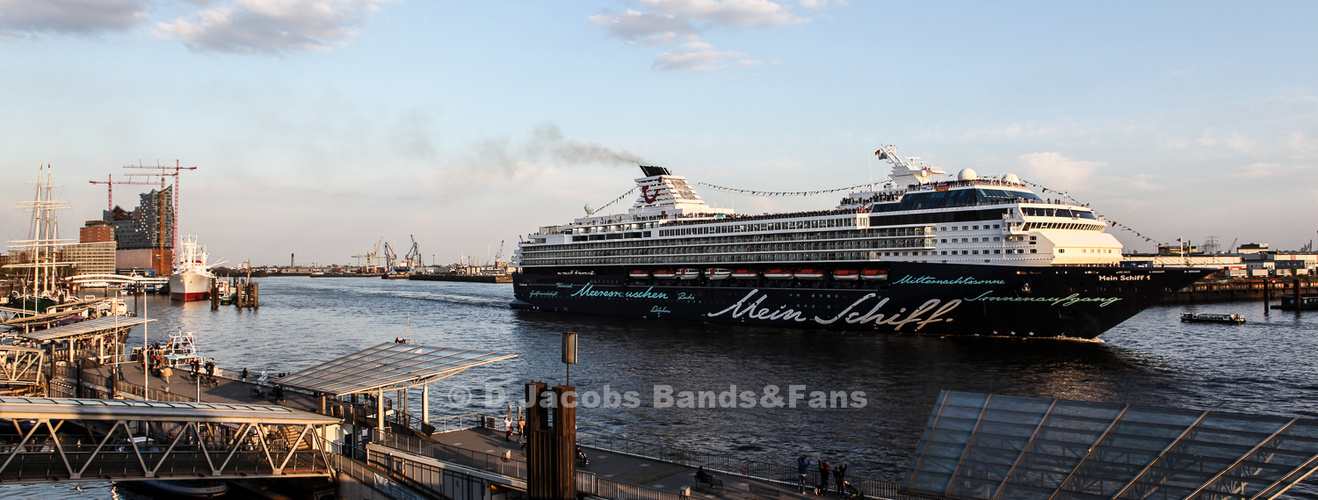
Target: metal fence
{"x":590,"y":484}
{"x":474,"y":459}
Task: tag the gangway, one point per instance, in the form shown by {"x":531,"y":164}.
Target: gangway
{"x":53,"y":439}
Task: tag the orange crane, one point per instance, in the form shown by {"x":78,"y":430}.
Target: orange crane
{"x":136,"y":178}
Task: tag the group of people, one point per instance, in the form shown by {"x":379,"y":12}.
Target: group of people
{"x":519,"y":428}
{"x":821,"y":487}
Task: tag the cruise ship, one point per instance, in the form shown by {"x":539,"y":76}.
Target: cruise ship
{"x":921,"y":254}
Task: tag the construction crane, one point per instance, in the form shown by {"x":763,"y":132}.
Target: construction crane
{"x":371,"y":256}
{"x":160,"y":210}
{"x":498,"y":254}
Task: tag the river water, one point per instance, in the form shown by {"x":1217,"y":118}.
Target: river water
{"x":881,"y":387}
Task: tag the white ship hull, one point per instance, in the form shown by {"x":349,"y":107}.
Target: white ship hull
{"x":188,"y":286}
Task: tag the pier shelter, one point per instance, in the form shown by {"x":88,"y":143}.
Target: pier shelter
{"x":981,"y":446}
{"x":390,"y":366}
{"x":84,"y":336}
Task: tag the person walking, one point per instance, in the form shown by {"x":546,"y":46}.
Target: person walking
{"x":508,"y":428}
{"x":802,"y":468}
{"x":165,"y":373}
{"x":521,"y":429}
{"x":823,"y":476}
{"x":244,"y":374}
{"x":840,"y":478}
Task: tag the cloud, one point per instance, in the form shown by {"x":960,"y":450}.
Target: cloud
{"x":757,"y":13}
{"x":70,"y":16}
{"x":272,"y":26}
{"x":682,"y":24}
{"x":1055,"y":171}
{"x":644,"y":27}
{"x":698,"y":60}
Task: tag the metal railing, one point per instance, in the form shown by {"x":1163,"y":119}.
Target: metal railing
{"x":778,"y":473}
{"x":590,"y":484}
{"x":474,"y":459}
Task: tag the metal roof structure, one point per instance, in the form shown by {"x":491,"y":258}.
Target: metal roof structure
{"x":980,"y":446}
{"x":96,"y":326}
{"x":386,"y":367}
{"x":20,"y":365}
{"x":165,"y":411}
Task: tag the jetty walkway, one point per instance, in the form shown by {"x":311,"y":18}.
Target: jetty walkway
{"x":474,"y":446}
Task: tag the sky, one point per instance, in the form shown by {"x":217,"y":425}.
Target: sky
{"x":321,"y":127}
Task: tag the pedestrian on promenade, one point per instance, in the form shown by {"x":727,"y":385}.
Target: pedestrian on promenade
{"x":802,"y":468}
{"x":244,"y":374}
{"x":165,"y":373}
{"x":508,"y":428}
{"x":521,"y":429}
{"x":823,"y":476}
{"x":840,"y":477}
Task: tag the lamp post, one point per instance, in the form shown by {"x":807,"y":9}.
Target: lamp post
{"x":146,"y":367}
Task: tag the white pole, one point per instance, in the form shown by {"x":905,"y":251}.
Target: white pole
{"x":146,"y":368}
{"x":425,"y":403}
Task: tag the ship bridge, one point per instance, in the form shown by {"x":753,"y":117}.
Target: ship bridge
{"x":64,"y":439}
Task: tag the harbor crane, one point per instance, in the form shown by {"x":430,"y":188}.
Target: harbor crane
{"x":413,"y":258}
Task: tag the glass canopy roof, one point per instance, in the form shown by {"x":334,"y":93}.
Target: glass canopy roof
{"x":388,"y":366}
{"x":980,"y":446}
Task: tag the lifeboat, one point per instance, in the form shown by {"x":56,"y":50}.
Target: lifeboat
{"x":717,"y":273}
{"x":778,"y":274}
{"x":665,"y":274}
{"x":687,"y":273}
{"x":846,"y":275}
{"x":874,"y":274}
{"x":745,"y":274}
{"x":810,"y":274}
{"x":639,"y":274}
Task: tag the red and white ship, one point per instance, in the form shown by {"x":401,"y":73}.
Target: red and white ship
{"x":192,"y":275}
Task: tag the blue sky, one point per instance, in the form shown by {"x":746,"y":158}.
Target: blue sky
{"x":320,"y":126}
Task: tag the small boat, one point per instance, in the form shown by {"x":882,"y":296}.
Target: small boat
{"x":810,"y":274}
{"x":665,"y":274}
{"x":718,"y":273}
{"x":639,"y":274}
{"x":688,"y":273}
{"x":846,"y":275}
{"x":874,"y":274}
{"x":1231,"y":319}
{"x":778,"y":274}
{"x":745,"y":274}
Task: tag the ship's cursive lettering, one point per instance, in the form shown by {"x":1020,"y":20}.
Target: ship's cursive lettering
{"x":930,"y":280}
{"x":1068,"y":300}
{"x":931,"y":311}
{"x":660,"y":310}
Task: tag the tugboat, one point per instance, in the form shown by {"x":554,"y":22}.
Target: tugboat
{"x":1230,"y":319}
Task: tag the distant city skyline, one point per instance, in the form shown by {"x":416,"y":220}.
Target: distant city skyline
{"x":319,"y":127}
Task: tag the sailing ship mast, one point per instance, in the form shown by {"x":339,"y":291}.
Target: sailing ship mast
{"x":43,"y":241}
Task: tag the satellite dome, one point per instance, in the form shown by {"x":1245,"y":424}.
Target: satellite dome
{"x":589,"y":209}
{"x":1012,"y":179}
{"x":967,"y":174}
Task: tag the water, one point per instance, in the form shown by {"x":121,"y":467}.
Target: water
{"x":1264,"y":367}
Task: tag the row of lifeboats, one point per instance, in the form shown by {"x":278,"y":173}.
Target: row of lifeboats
{"x":719,"y":273}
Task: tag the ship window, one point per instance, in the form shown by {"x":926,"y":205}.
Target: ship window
{"x":1034,"y":250}
{"x":944,"y":240}
{"x":997,"y":251}
{"x":976,"y":227}
{"x":976,"y":252}
{"x":944,"y":252}
{"x":996,"y":226}
{"x":976,"y":240}
{"x":1061,"y":250}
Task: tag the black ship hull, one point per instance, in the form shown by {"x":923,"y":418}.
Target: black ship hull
{"x":915,"y":298}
